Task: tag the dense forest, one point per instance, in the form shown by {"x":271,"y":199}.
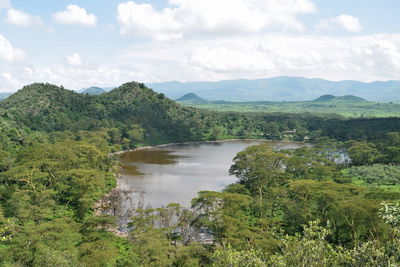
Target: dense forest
{"x":303,"y":207}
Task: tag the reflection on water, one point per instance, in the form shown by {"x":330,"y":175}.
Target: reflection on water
{"x":150,"y":156}
{"x":130,"y":169}
{"x":175,"y":173}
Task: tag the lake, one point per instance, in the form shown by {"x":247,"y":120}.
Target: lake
{"x":175,"y":173}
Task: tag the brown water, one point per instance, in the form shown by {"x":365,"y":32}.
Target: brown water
{"x":175,"y":173}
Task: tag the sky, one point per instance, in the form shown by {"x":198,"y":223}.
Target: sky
{"x":105,"y":43}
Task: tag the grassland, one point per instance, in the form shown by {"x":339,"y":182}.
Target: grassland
{"x":346,"y":109}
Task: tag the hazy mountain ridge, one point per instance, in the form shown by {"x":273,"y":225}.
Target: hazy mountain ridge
{"x":280,"y":89}
{"x":92,"y":91}
{"x":268,"y":90}
{"x":4,"y":95}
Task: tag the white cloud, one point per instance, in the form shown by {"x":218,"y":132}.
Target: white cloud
{"x":75,"y":15}
{"x":346,"y":22}
{"x":20,"y":18}
{"x":222,"y":17}
{"x":143,"y":19}
{"x":225,"y":59}
{"x":5,"y":4}
{"x":74,"y":60}
{"x":349,"y":23}
{"x":8,"y":52}
{"x":365,"y":58}
{"x":106,"y":75}
{"x":380,"y":54}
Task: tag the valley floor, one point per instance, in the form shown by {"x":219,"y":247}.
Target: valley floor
{"x":367,"y":109}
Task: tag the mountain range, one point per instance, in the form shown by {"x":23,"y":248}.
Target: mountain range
{"x":280,"y":89}
{"x":270,"y":89}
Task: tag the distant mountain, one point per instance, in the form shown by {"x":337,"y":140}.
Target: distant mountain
{"x":4,"y":95}
{"x":93,"y":91}
{"x":192,"y":98}
{"x":280,"y":89}
{"x":346,"y":98}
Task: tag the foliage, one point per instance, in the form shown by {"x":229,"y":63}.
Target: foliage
{"x":362,"y":153}
{"x":237,"y":258}
{"x":159,"y":235}
{"x":391,"y":214}
{"x":48,"y":193}
{"x":309,"y":249}
{"x":377,"y":174}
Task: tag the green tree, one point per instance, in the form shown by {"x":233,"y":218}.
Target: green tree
{"x":261,"y":169}
{"x":309,"y":249}
{"x":135,"y":134}
{"x":216,"y":133}
{"x":362,"y":153}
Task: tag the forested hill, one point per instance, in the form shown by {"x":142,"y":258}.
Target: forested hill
{"x":346,"y":98}
{"x":47,"y":107}
{"x":192,"y":98}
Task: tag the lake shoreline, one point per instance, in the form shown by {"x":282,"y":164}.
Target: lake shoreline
{"x":128,"y":191}
{"x":203,"y":142}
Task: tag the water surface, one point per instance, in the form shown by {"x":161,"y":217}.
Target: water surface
{"x":175,"y":173}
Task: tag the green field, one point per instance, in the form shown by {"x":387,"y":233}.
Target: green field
{"x":347,"y":109}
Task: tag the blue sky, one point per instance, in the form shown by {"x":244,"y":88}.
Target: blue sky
{"x":108,"y":42}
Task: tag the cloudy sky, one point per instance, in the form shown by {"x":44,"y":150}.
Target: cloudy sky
{"x":107,"y":42}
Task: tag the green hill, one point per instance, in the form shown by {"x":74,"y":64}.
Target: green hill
{"x":47,"y":107}
{"x":346,"y":98}
{"x":192,"y":98}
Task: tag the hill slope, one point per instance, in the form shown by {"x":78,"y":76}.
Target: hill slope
{"x":46,"y":107}
{"x":280,"y":89}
